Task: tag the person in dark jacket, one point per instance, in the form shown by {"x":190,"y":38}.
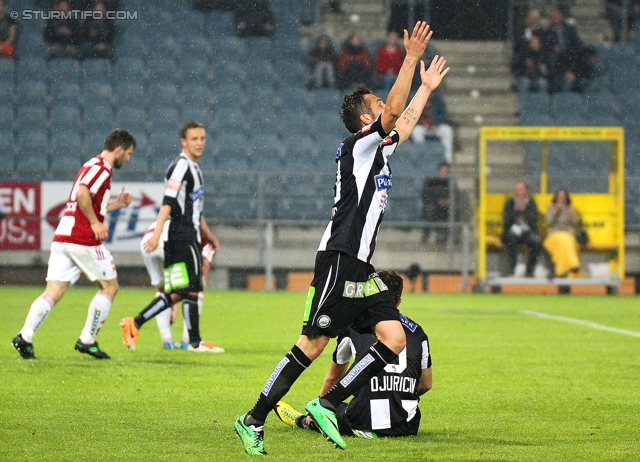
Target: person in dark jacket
{"x":520,"y":220}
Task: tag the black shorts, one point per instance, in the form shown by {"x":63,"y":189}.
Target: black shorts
{"x":182,"y":267}
{"x":345,"y":292}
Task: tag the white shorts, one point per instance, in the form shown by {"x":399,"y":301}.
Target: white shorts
{"x":154,"y":261}
{"x":67,"y":260}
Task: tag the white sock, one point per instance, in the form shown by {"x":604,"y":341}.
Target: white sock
{"x":185,"y":331}
{"x":164,"y":325}
{"x":37,"y":314}
{"x":98,"y":311}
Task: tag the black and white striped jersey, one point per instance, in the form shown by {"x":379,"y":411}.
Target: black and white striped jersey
{"x":362,"y":185}
{"x":388,"y":403}
{"x":185,"y":194}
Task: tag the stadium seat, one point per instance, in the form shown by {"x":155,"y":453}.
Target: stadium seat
{"x":6,"y":117}
{"x":31,"y":93}
{"x":220,"y":25}
{"x":194,"y":71}
{"x":534,"y":103}
{"x":259,"y":47}
{"x":7,"y":71}
{"x":229,"y":95}
{"x":64,"y":94}
{"x":130,"y":93}
{"x":7,"y":154}
{"x":64,"y":118}
{"x":97,"y":118}
{"x":93,"y":143}
{"x":32,"y":149}
{"x":202,"y":115}
{"x":30,"y":43}
{"x":230,"y":120}
{"x":567,"y":102}
{"x":164,"y":118}
{"x":29,"y":69}
{"x":228,"y":71}
{"x":97,"y":94}
{"x":295,"y":100}
{"x":265,"y":153}
{"x":163,"y":149}
{"x":162,"y":94}
{"x":237,"y":184}
{"x":231,"y":151}
{"x":131,"y":118}
{"x":235,"y":208}
{"x":64,"y":70}
{"x":97,"y":71}
{"x":31,"y":117}
{"x":263,"y":120}
{"x":194,"y":46}
{"x":195,"y":94}
{"x":162,"y":70}
{"x":130,"y":69}
{"x":229,"y":47}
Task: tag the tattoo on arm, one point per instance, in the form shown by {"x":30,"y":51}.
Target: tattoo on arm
{"x":410,"y":116}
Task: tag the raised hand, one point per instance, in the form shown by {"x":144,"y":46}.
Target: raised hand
{"x":417,"y":43}
{"x":432,"y":77}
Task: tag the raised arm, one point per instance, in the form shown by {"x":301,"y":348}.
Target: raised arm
{"x":430,"y":78}
{"x":414,"y":46}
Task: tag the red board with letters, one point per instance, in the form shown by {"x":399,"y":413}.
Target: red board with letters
{"x":21,"y":204}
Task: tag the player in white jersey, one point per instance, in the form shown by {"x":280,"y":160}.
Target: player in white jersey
{"x":77,"y":247}
{"x":154,"y":262}
{"x":346,"y":290}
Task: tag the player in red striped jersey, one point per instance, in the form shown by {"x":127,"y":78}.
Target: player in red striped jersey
{"x":77,"y":247}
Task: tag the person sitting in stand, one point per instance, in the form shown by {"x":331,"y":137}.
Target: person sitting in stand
{"x":61,"y":35}
{"x":433,"y":124}
{"x":354,"y":63}
{"x":8,"y":31}
{"x":520,"y":226}
{"x":99,"y":33}
{"x":389,"y":59}
{"x":322,"y":61}
{"x":254,"y":18}
{"x":562,"y":220}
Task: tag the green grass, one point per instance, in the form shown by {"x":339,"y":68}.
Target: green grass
{"x":507,"y":386}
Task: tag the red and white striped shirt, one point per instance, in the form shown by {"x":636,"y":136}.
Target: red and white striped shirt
{"x":74,"y":226}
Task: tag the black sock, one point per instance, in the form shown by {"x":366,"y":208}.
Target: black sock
{"x":159,"y":304}
{"x":192,"y":316}
{"x":364,"y":367}
{"x":283,"y":376}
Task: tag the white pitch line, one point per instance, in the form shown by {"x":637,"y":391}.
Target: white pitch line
{"x":582,"y":322}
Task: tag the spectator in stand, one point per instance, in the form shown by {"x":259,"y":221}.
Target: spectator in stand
{"x":433,"y":124}
{"x":322,"y":59}
{"x":562,"y":220}
{"x":98,"y":34}
{"x":354,"y":63}
{"x":531,"y":29}
{"x":520,"y":227}
{"x":254,"y":18}
{"x":564,"y":47}
{"x":435,"y":203}
{"x":8,"y":31}
{"x":614,"y":12}
{"x":62,"y":35}
{"x":531,"y":69}
{"x":389,"y":59}
{"x":523,"y":48}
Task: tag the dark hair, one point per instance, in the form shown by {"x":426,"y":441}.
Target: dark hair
{"x":566,"y":193}
{"x":188,"y":126}
{"x":119,"y":137}
{"x":394,"y":282}
{"x":353,"y":106}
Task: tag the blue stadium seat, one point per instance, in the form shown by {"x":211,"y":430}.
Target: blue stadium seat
{"x":569,"y":119}
{"x":97,"y":94}
{"x":229,"y":95}
{"x":231,"y":151}
{"x":235,"y":208}
{"x":6,"y":117}
{"x":97,"y":71}
{"x":194,"y":46}
{"x":220,"y":25}
{"x":162,"y":69}
{"x":131,"y":69}
{"x":193,"y":20}
{"x":567,"y":102}
{"x":31,"y":117}
{"x":534,"y":103}
{"x":97,"y":119}
{"x":262,"y":97}
{"x":537,"y":120}
{"x":130,"y":93}
{"x":29,"y":69}
{"x":265,"y":153}
{"x":295,"y":100}
{"x":64,"y":94}
{"x":137,"y":169}
{"x":65,"y":70}
{"x":229,"y":47}
{"x":230,"y":120}
{"x":7,"y":154}
{"x":237,"y":184}
{"x":301,"y":186}
{"x":164,"y":118}
{"x":263,"y":120}
{"x":259,"y":47}
{"x":30,"y":44}
{"x":163,"y":149}
{"x":63,"y":152}
{"x":601,"y":103}
{"x":162,"y":94}
{"x":195,"y":94}
{"x":64,"y":118}
{"x":32,"y":144}
{"x":299,"y":146}
{"x":93,"y":142}
{"x":31,"y":93}
{"x":228,"y":71}
{"x":7,"y":71}
{"x":195,"y":71}
{"x":131,"y":118}
{"x":202,"y":115}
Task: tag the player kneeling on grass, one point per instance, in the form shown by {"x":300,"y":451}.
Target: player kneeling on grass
{"x":154,"y":262}
{"x":388,"y":404}
{"x":77,"y":246}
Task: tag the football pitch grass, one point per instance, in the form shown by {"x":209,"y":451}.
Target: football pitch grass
{"x":508,"y":384}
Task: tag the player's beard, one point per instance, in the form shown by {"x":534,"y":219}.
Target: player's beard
{"x":117,"y":163}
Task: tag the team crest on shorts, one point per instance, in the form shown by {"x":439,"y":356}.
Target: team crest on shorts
{"x":324,"y":321}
